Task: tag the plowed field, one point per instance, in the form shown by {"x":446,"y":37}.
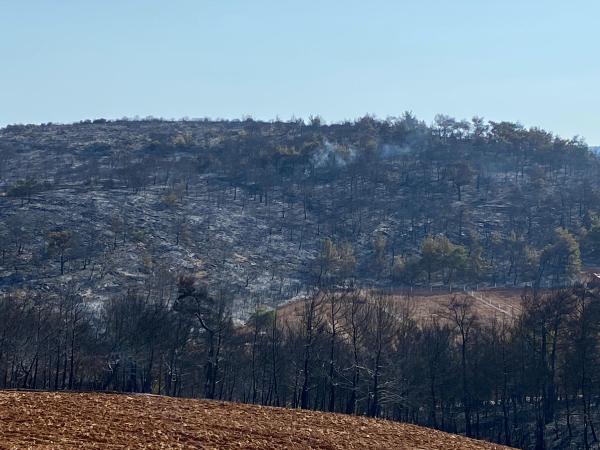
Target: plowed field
{"x":44,"y":420}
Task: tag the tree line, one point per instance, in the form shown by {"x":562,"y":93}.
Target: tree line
{"x":529,"y":380}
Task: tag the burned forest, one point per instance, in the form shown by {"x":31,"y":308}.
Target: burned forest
{"x":287,"y":263}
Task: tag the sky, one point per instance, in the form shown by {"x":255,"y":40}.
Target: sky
{"x":532,"y":61}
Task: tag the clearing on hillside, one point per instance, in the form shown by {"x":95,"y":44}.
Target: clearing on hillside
{"x":91,"y":420}
{"x":423,"y":304}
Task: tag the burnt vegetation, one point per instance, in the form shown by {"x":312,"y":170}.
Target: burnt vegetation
{"x":152,"y":256}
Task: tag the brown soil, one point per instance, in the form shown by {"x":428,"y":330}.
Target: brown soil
{"x":45,"y":420}
{"x":489,"y":304}
{"x":424,"y":304}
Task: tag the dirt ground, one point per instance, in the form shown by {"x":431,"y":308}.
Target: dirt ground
{"x":489,"y":304}
{"x":43,"y":420}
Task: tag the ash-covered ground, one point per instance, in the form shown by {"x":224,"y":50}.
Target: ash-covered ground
{"x":264,"y":211}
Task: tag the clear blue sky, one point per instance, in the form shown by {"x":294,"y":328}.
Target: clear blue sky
{"x":537,"y":62}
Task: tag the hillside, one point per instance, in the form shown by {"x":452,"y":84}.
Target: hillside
{"x":40,"y":420}
{"x":439,"y":274}
{"x":264,"y":210}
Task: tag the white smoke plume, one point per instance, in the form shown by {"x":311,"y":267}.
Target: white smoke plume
{"x":389,"y":151}
{"x":333,"y":155}
{"x":337,"y":155}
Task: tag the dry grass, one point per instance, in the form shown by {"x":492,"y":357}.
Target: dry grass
{"x":45,"y":420}
{"x":488,"y":304}
{"x":423,"y":304}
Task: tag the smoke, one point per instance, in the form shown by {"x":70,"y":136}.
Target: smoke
{"x":389,"y":151}
{"x":333,"y":155}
